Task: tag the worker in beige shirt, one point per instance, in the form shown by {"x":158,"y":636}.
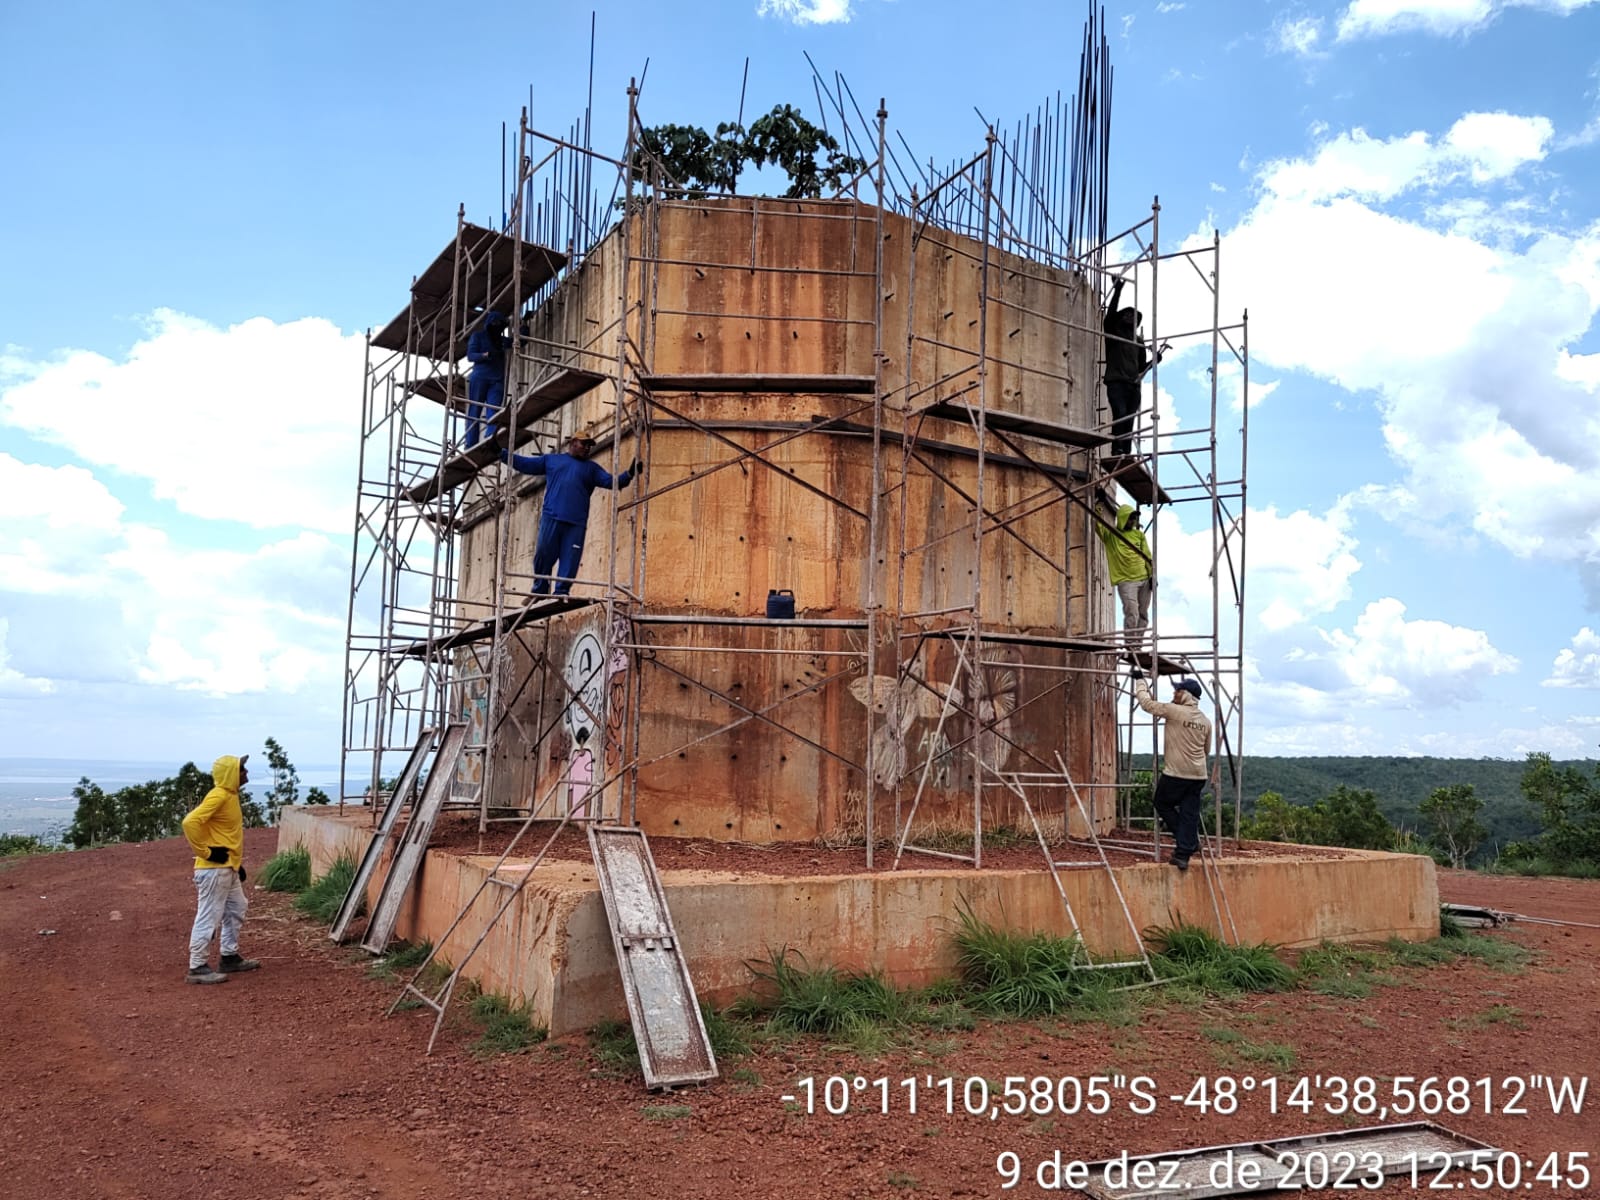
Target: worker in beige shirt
{"x":1184,"y":773}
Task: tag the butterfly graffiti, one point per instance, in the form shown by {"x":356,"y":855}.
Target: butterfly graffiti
{"x":979,"y":723}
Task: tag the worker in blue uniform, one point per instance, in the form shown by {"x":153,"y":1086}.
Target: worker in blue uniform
{"x":487,"y":349}
{"x":564,"y":520}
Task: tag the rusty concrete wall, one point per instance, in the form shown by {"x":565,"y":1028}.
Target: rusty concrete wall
{"x":553,"y":949}
{"x":769,"y":286}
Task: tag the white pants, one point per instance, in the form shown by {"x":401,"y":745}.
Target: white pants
{"x":1135,"y":597}
{"x":221,"y":900}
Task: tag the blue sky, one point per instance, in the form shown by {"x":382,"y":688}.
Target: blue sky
{"x":207,"y":205}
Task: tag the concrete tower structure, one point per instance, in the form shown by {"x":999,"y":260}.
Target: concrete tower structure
{"x":825,"y":395}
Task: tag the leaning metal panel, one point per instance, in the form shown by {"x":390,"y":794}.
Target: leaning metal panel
{"x":415,"y":842}
{"x":673,"y":1046}
{"x":380,"y":837}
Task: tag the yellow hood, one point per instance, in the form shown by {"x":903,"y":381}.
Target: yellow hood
{"x":225,"y":772}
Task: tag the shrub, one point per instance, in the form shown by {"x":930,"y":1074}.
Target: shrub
{"x":322,"y":899}
{"x":15,"y":844}
{"x":287,"y":871}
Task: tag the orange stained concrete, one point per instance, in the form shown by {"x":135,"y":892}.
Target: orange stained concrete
{"x":552,"y":949}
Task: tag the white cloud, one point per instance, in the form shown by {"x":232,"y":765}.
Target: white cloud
{"x":1482,"y":146}
{"x":806,"y":12}
{"x":1372,"y":18}
{"x":1577,"y":666}
{"x":92,"y":598}
{"x":1300,"y":566}
{"x":1167,"y":6}
{"x":1468,"y":343}
{"x":14,"y":683}
{"x":255,"y":423}
{"x":1297,"y":35}
{"x":1387,"y":658}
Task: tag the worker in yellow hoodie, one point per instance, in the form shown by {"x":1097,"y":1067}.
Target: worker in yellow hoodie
{"x":1128,"y":561}
{"x":215,"y":829}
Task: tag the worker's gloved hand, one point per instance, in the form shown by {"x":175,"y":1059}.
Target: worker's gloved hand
{"x":1135,"y":673}
{"x":241,"y":873}
{"x":217,"y":854}
{"x":638,"y":465}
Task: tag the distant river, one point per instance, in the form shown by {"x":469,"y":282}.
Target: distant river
{"x":36,"y":793}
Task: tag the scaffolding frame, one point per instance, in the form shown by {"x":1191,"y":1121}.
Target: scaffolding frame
{"x":436,"y":652}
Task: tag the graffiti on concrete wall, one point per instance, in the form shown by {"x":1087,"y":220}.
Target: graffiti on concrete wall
{"x":927,"y":726}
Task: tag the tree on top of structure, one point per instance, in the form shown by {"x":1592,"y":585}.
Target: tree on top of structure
{"x":701,"y":163}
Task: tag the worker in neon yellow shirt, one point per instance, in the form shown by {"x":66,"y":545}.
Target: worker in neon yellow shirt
{"x":215,"y":830}
{"x":1128,"y":560}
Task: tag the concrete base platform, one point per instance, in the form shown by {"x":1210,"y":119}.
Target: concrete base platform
{"x":552,"y":949}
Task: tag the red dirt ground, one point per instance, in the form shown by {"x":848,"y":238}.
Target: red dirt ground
{"x":122,"y":1081}
{"x":458,"y":832}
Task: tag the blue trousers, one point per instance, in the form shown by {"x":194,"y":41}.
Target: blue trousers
{"x":485,"y":394}
{"x":558,"y":540}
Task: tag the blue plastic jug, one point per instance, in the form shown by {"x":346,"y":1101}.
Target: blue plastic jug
{"x":780,"y":605}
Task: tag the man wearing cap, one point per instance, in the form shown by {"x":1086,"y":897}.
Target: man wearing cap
{"x":1183,"y":772}
{"x":564,"y":519}
{"x":215,"y":829}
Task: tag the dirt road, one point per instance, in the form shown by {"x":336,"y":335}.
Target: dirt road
{"x":121,"y":1081}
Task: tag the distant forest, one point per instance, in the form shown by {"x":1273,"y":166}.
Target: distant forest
{"x":1401,"y":784}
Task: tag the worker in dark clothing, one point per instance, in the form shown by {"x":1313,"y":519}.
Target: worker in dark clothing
{"x":564,"y":520}
{"x":1127,"y":360}
{"x":487,"y":349}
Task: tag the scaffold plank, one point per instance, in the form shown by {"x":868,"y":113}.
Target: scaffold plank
{"x":419,"y":330}
{"x":787,"y":384}
{"x":433,"y":388}
{"x":1085,"y":645}
{"x":674,"y":1048}
{"x":544,"y":397}
{"x":537,"y":610}
{"x":1133,"y":476}
{"x":1034,"y":427}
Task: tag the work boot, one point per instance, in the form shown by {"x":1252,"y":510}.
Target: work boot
{"x":232,"y":964}
{"x":204,"y":974}
{"x":1181,"y":861}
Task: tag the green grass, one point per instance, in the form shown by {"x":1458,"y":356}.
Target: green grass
{"x":400,"y":962}
{"x":507,"y":1028}
{"x":1581,"y":868}
{"x":1013,"y":973}
{"x":1198,"y":956}
{"x":614,"y":1046}
{"x":1501,"y":1014}
{"x":1276,"y":1054}
{"x":727,"y":1036}
{"x":1450,"y":925}
{"x":666,"y":1112}
{"x":1344,"y":987}
{"x":1423,"y":954}
{"x":791,"y":995}
{"x":429,"y":982}
{"x":287,"y":871}
{"x":1237,"y":1046}
{"x":322,"y":899}
{"x":1493,"y":952}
